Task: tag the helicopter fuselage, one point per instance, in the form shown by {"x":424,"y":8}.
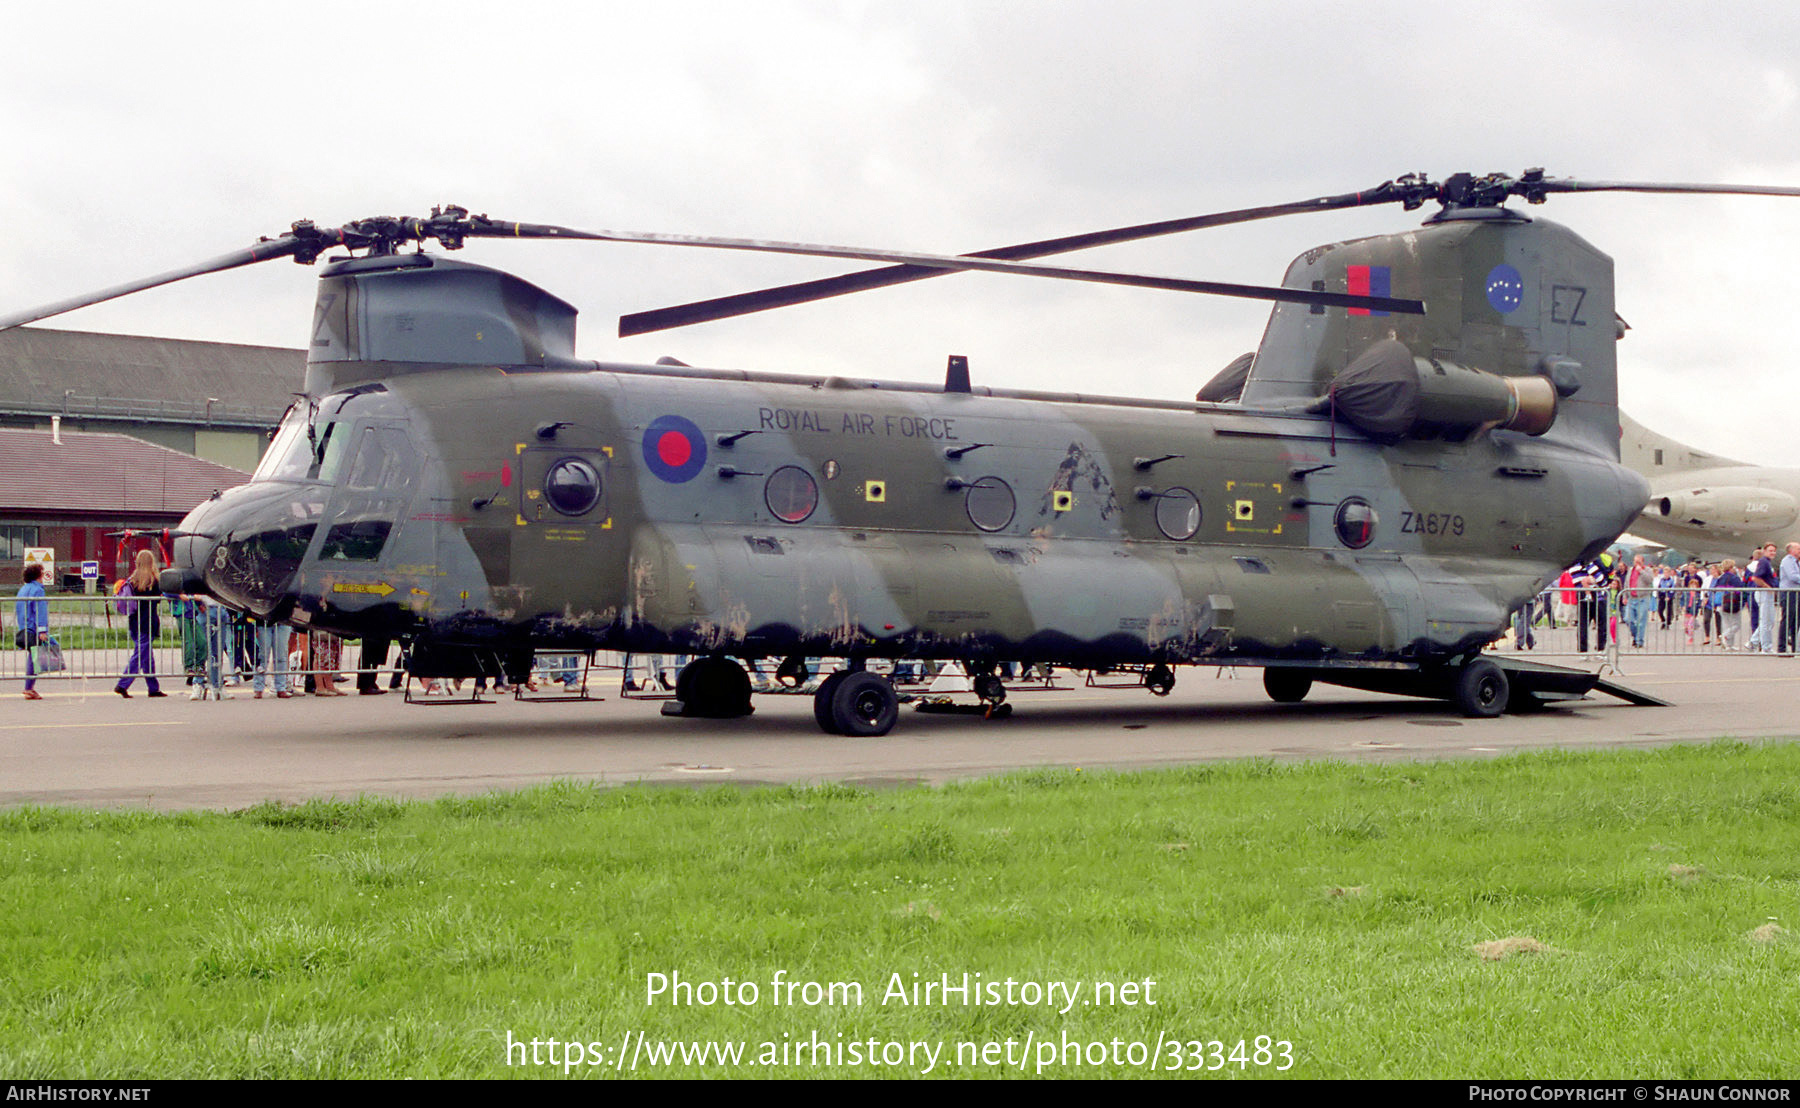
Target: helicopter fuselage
{"x":662,"y":508}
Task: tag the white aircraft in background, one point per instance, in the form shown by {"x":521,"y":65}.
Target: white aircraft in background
{"x":1708,"y":506}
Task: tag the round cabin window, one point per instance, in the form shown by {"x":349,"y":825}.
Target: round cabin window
{"x":572,"y":486}
{"x":1178,"y":514}
{"x":990,"y":504}
{"x":791,"y":494}
{"x":1355,"y":523}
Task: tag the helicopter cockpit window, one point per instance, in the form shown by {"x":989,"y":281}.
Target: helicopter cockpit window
{"x":1178,"y":514}
{"x":791,"y":494}
{"x":330,"y":445}
{"x":990,"y":504}
{"x":311,"y":444}
{"x":356,"y":540}
{"x":572,"y":486}
{"x":364,"y":510}
{"x":1355,"y":523}
{"x":289,"y":455}
{"x":384,"y":460}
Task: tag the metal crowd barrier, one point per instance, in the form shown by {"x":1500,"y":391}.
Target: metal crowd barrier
{"x":182,"y":641}
{"x":172,"y":639}
{"x":1620,"y":623}
{"x":95,"y":634}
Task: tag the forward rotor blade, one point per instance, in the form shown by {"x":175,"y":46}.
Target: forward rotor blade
{"x":261,"y":252}
{"x":781,"y":296}
{"x":1555,"y":185}
{"x":942,"y":262}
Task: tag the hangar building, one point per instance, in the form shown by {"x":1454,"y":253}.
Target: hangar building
{"x":101,"y":433}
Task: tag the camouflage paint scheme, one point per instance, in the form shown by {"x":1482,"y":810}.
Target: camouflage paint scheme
{"x":682,"y":552}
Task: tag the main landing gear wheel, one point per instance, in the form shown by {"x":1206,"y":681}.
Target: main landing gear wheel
{"x":1160,"y":680}
{"x":1481,"y":689}
{"x":860,"y":704}
{"x":822,"y":702}
{"x":1286,"y":686}
{"x":713,"y":687}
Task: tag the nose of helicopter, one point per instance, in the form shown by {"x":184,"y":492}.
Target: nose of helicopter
{"x":192,"y":546}
{"x":243,"y":547}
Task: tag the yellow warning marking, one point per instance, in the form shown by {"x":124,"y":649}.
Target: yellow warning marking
{"x":378,"y":588}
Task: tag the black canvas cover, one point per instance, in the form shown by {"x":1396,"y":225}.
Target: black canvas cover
{"x":1379,"y":391}
{"x":1228,"y":384}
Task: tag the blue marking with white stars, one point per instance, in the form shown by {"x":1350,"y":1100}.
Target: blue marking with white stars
{"x":1505,"y":288}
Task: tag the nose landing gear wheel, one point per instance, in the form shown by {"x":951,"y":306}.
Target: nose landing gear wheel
{"x":792,"y":673}
{"x":1286,"y":686}
{"x":990,"y":688}
{"x":713,"y":687}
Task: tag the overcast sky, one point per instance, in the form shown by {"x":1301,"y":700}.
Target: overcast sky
{"x":143,"y":137}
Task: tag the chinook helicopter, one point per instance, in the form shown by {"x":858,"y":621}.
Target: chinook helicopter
{"x":1427,"y":435}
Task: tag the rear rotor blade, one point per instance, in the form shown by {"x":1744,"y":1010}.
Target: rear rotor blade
{"x":725,"y":307}
{"x":1411,"y":190}
{"x":1468,"y":190}
{"x":942,"y":262}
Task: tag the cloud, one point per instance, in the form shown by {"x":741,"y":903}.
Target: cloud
{"x":141,"y":138}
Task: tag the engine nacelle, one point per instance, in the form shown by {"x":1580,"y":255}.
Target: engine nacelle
{"x":1742,"y":508}
{"x":1389,"y":393}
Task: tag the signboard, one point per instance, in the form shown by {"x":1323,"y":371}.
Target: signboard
{"x":90,"y":571}
{"x":42,"y":556}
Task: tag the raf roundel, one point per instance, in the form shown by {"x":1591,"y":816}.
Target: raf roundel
{"x":674,"y":448}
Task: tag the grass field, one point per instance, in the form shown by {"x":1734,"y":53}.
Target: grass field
{"x":1549,"y":915}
